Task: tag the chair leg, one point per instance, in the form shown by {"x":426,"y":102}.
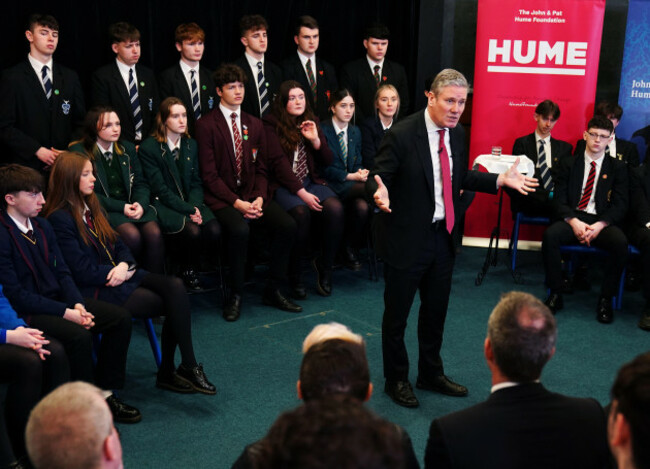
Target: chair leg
{"x":153,"y":341}
{"x":514,"y":242}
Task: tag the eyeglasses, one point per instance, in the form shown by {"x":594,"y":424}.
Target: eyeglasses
{"x":596,"y":136}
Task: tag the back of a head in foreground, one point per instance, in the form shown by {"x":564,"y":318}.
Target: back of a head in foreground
{"x":68,"y":427}
{"x":332,"y":330}
{"x":331,"y":433}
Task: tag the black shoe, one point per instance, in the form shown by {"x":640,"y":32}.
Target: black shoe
{"x":233,"y":308}
{"x":401,"y":393}
{"x":323,"y":278}
{"x":197,"y":379}
{"x":191,"y":281}
{"x":122,"y":413}
{"x":351,"y":259}
{"x":555,"y":302}
{"x":644,"y":322}
{"x":277,"y":300}
{"x":443,"y":385}
{"x":604,"y":311}
{"x":173,"y":382}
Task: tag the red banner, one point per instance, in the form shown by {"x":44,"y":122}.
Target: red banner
{"x":528,"y":51}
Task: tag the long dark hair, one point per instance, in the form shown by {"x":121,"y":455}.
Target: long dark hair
{"x":287,"y":125}
{"x":93,"y":123}
{"x":165,"y":109}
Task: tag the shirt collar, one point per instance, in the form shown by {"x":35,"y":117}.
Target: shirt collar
{"x":599,"y":161}
{"x":507,"y":384}
{"x":22,"y":227}
{"x":338,"y":130}
{"x":303,"y":60}
{"x":37,"y":65}
{"x":431,"y":126}
{"x":171,"y":145}
{"x":546,"y":139}
{"x":252,"y":61}
{"x":372,"y":63}
{"x":187,"y":69}
{"x":124,"y":68}
{"x":103,"y":151}
{"x":227,"y":112}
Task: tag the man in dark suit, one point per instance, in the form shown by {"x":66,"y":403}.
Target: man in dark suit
{"x":618,"y":148}
{"x":521,"y":424}
{"x":127,"y":86}
{"x":232,"y":155}
{"x":39,"y":286}
{"x":187,"y":80}
{"x":41,"y":103}
{"x":415,"y":233}
{"x":628,"y":428}
{"x":263,"y":76}
{"x":362,"y":77}
{"x":546,"y":152}
{"x":591,"y":194}
{"x":317,"y":77}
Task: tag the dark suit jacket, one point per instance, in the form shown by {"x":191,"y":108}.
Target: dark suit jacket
{"x":404,"y":164}
{"x":173,"y":83}
{"x":612,"y":190}
{"x":527,"y":145}
{"x":336,"y":173}
{"x":525,"y":426}
{"x":90,"y":263}
{"x":280,"y":163}
{"x":109,"y":89}
{"x":273,"y":77}
{"x":175,"y":191}
{"x":326,"y":82}
{"x":28,"y":120}
{"x":357,"y":77}
{"x":372,"y":133}
{"x":133,"y":180}
{"x":626,"y":151}
{"x":217,"y":160}
{"x":18,"y":271}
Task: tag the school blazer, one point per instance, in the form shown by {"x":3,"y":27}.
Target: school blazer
{"x":338,"y":170}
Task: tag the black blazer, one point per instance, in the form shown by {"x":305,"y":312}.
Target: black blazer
{"x":326,"y":82}
{"x":523,"y":426}
{"x":404,"y":164}
{"x":28,"y":120}
{"x":357,"y":77}
{"x":173,"y":83}
{"x":626,"y":151}
{"x":372,"y":133}
{"x":109,"y":89}
{"x":612,"y":190}
{"x":273,"y":77}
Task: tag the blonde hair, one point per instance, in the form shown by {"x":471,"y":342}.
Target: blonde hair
{"x":333,"y":330}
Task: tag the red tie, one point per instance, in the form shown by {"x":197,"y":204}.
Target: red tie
{"x":446,"y":182}
{"x":89,"y":220}
{"x":589,"y":187}
{"x":239,"y":153}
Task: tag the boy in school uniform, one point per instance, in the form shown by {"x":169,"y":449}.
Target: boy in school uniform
{"x":41,"y":102}
{"x":188,"y":80}
{"x":127,"y":86}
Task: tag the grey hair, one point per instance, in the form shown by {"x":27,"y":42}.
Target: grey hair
{"x":448,"y":77}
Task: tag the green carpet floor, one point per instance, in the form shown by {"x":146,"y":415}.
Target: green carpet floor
{"x":254,"y":362}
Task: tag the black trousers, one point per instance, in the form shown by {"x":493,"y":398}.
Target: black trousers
{"x":640,"y":237}
{"x":113,"y":322}
{"x":430,"y":275}
{"x":283,"y":235}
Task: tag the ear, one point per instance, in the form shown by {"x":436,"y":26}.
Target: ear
{"x":29,"y":35}
{"x":112,"y":447}
{"x":9,"y":198}
{"x":369,"y":393}
{"x":584,"y":136}
{"x":114,"y":48}
{"x":298,"y":390}
{"x":179,"y":46}
{"x":620,"y":432}
{"x":244,"y":40}
{"x":295,"y":39}
{"x":487,"y":350}
{"x":219,"y":92}
{"x":365,"y":43}
{"x":552,"y":353}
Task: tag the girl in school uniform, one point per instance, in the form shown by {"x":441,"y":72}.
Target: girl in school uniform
{"x":373,"y":128}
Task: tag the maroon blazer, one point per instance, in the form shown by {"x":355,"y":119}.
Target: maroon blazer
{"x":280,"y":164}
{"x":217,"y":160}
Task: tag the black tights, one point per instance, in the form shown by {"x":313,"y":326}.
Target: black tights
{"x":146,"y":244}
{"x":159,"y":295}
{"x":357,"y":212}
{"x":195,"y":242}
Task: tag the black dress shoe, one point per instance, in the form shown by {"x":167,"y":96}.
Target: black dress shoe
{"x":644,"y":322}
{"x":197,"y":379}
{"x":233,"y":308}
{"x":277,"y":300}
{"x":443,"y":385}
{"x":173,"y":382}
{"x":555,"y":302}
{"x":122,"y":413}
{"x":401,"y":393}
{"x":323,"y":279}
{"x":604,"y":312}
{"x":351,"y":259}
{"x":191,"y":281}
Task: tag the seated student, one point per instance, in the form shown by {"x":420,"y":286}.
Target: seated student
{"x":374,"y":127}
{"x":547,"y":153}
{"x":364,"y":76}
{"x":591,"y":194}
{"x":234,"y":174}
{"x":188,"y":80}
{"x":263,"y":76}
{"x":41,"y":102}
{"x":620,"y":149}
{"x":40,"y":288}
{"x":170,"y":160}
{"x":122,"y":188}
{"x":31,"y":365}
{"x":103,"y":268}
{"x":316,"y":76}
{"x":346,"y":175}
{"x":296,"y":148}
{"x":127,"y":86}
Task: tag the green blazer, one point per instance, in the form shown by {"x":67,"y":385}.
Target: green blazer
{"x":176,"y":192}
{"x":135,"y":184}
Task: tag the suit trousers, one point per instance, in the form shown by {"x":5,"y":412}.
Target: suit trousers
{"x":640,"y":237}
{"x":430,"y":274}
{"x":113,"y":322}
